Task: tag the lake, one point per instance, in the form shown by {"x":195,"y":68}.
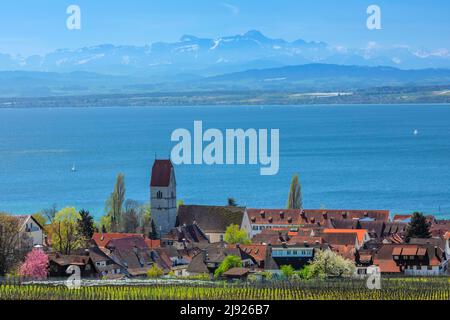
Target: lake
{"x":350,"y":157}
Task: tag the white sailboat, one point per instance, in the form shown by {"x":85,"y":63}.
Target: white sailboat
{"x":73,"y":168}
{"x":416,"y":132}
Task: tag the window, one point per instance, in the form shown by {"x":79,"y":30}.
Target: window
{"x":430,"y":267}
{"x":159,"y":195}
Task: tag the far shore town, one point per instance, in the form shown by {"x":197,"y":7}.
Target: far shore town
{"x":221,"y":242}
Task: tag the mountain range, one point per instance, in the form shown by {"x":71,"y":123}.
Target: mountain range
{"x":192,"y":57}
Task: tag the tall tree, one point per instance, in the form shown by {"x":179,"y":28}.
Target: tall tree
{"x":231,"y":202}
{"x":50,"y":213}
{"x":131,"y":217}
{"x":146,"y":219}
{"x":419,"y":227}
{"x":10,"y":254}
{"x":86,"y":226}
{"x":295,"y":194}
{"x":114,"y":204}
{"x":154,"y":232}
{"x":65,"y":236}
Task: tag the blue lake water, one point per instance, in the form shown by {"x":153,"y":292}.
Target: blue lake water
{"x":347,"y":156}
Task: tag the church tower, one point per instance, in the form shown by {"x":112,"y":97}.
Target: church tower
{"x":163,"y":196}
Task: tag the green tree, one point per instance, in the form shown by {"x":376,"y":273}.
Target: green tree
{"x":146,"y":219}
{"x":155,"y":272}
{"x":86,"y":226}
{"x":419,"y":227}
{"x":114,"y":204}
{"x":180,"y":203}
{"x":295,"y":194}
{"x":228,"y":263}
{"x":326,"y":263}
{"x":287,"y":271}
{"x":154,"y":233}
{"x":105,"y":223}
{"x":306,"y":273}
{"x":65,"y":236}
{"x":235,"y":235}
{"x":232,"y":202}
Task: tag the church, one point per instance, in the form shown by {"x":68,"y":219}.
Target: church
{"x":163,"y":196}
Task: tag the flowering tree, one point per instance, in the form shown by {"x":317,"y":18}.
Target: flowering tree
{"x":35,"y":265}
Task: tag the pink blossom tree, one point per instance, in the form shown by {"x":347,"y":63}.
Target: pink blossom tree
{"x":35,"y":265}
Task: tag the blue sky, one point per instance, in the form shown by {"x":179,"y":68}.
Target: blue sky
{"x":38,"y":26}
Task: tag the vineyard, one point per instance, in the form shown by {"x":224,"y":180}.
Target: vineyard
{"x":392,"y":289}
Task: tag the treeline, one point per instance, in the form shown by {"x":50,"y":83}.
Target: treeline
{"x":376,"y":95}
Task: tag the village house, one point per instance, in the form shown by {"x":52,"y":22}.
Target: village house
{"x":185,"y":237}
{"x":212,"y":220}
{"x":132,"y":254}
{"x":209,"y":259}
{"x":411,"y":259}
{"x":59,"y":263}
{"x":31,"y":232}
{"x":256,"y":220}
{"x":105,"y":267}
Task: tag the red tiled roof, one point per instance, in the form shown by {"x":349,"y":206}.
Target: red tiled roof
{"x":102,"y":239}
{"x":401,"y":217}
{"x":161,"y":173}
{"x":311,"y":216}
{"x":346,"y":251}
{"x":274,"y":216}
{"x":360,"y":233}
{"x":324,"y":214}
{"x":153,"y":244}
{"x":409,"y":251}
{"x":256,"y":251}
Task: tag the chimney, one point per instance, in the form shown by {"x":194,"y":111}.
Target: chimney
{"x":303,"y":214}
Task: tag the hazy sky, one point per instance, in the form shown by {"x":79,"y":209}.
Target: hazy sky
{"x":39,"y":26}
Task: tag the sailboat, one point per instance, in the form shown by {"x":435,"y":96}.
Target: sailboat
{"x":73,"y":168}
{"x":416,"y":132}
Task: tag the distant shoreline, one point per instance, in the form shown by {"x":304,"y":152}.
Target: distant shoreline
{"x":417,"y":96}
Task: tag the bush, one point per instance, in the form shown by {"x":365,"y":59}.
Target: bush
{"x":306,"y":273}
{"x":287,"y":271}
{"x":228,"y":263}
{"x":155,"y":272}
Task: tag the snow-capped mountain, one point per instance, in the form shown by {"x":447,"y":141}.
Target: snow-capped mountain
{"x":207,"y":57}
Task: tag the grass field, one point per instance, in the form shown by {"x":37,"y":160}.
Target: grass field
{"x":392,"y":289}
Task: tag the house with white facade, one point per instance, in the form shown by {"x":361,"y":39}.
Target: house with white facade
{"x":30,"y":230}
